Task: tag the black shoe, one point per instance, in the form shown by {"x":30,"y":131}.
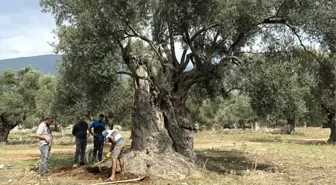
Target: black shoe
{"x":82,"y":163}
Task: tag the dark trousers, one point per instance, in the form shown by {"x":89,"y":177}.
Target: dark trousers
{"x":80,"y":149}
{"x":98,"y":144}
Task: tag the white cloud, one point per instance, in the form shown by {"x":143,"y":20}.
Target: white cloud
{"x":25,"y":33}
{"x":34,"y":42}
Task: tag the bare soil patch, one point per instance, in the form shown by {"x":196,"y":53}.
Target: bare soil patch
{"x":91,"y":173}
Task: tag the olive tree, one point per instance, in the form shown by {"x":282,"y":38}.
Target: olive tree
{"x":147,"y":35}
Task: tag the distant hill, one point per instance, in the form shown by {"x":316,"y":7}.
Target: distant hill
{"x":44,"y":63}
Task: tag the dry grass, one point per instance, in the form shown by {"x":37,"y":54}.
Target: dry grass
{"x":228,"y":157}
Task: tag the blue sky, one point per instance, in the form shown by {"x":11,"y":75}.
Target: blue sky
{"x":24,"y":29}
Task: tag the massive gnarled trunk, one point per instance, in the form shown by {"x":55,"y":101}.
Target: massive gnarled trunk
{"x":162,"y":140}
{"x":160,"y":121}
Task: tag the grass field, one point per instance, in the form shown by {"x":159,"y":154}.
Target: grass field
{"x":226,"y":157}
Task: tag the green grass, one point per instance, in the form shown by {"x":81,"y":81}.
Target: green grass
{"x":61,"y":161}
{"x":25,"y":163}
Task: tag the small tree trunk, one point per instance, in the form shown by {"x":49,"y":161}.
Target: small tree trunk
{"x":57,"y":128}
{"x":332,"y":137}
{"x":332,"y":126}
{"x":5,"y":128}
{"x":256,"y":126}
{"x":62,"y":131}
{"x":291,"y":125}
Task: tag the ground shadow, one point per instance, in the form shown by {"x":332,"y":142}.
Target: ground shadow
{"x":293,"y":141}
{"x":310,"y":142}
{"x":236,"y":162}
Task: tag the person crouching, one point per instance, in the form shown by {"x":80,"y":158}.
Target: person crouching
{"x":117,"y":148}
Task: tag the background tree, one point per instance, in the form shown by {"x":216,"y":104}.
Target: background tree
{"x":11,"y":113}
{"x":73,"y":100}
{"x":325,"y":95}
{"x":119,"y":104}
{"x":45,"y":97}
{"x":278,"y":85}
{"x":226,"y":111}
{"x":18,"y":97}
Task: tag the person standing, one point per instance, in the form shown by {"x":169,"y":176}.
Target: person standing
{"x":79,"y":130}
{"x":45,"y":137}
{"x":116,"y":151}
{"x":98,"y":138}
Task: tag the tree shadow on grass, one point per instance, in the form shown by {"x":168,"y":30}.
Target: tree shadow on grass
{"x":233,"y":162}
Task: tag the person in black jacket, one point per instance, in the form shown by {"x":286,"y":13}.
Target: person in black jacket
{"x":79,"y":130}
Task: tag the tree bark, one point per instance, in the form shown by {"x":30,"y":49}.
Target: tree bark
{"x":177,"y":122}
{"x":161,"y":121}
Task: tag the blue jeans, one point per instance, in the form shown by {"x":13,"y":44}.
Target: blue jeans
{"x":45,"y":153}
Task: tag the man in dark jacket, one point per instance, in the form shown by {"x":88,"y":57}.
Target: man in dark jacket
{"x":79,"y":130}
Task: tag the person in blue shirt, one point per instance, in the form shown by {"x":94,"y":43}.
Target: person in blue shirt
{"x":98,"y":138}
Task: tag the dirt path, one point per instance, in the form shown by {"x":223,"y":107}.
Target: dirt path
{"x":17,"y":155}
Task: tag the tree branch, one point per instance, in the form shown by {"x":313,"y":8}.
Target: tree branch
{"x":280,"y":7}
{"x":184,"y":59}
{"x":186,"y":62}
{"x":274,"y":20}
{"x":172,"y":47}
{"x":232,"y":58}
{"x":241,"y":36}
{"x":151,"y":44}
{"x":193,"y":37}
{"x":301,"y":43}
{"x":263,"y":53}
{"x":233,"y":46}
{"x":192,"y":48}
